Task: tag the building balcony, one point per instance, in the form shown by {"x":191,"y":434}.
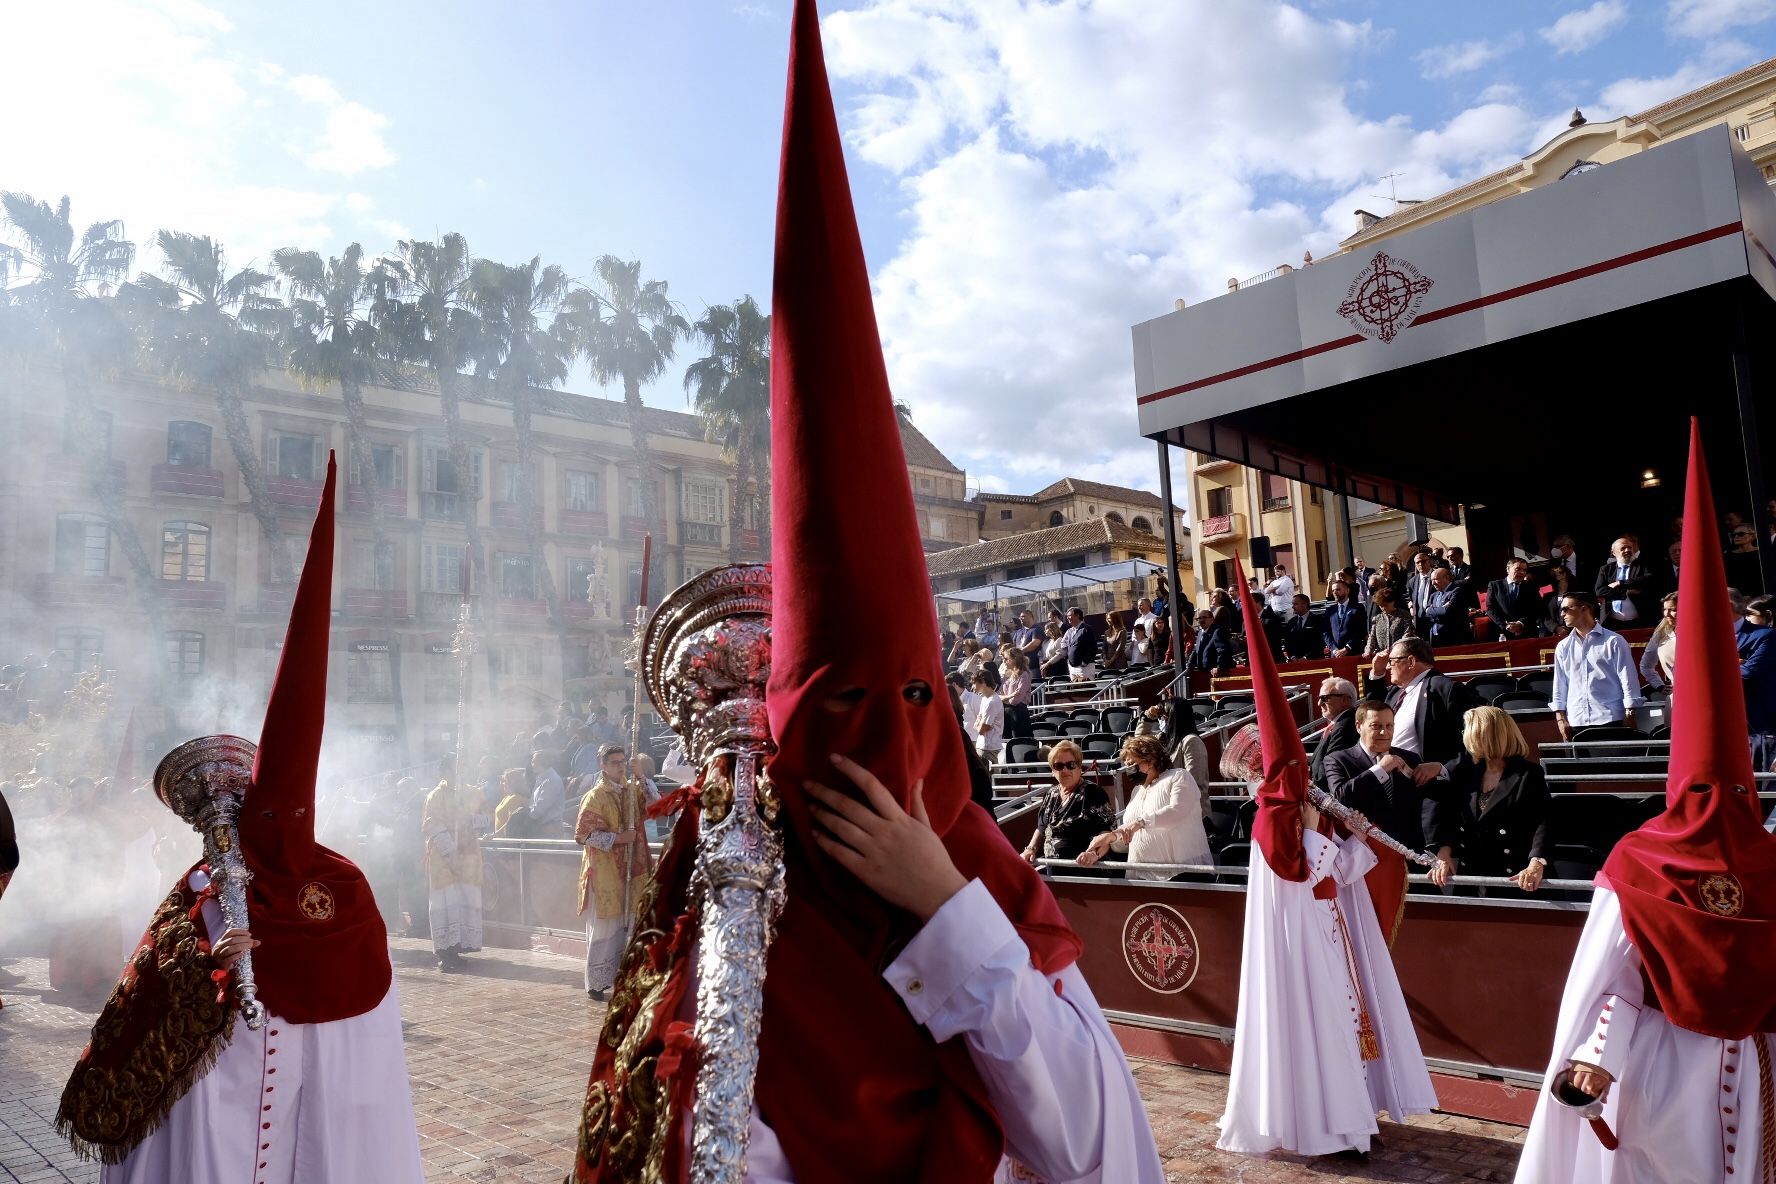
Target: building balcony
{"x":194,"y":594}
{"x":276,"y":598}
{"x":634,"y":527}
{"x":389,"y":501}
{"x":373,"y":602}
{"x":1209,"y":464}
{"x":294,"y":492}
{"x":510,"y":516}
{"x":581,"y":612}
{"x":752,"y":541}
{"x":440,"y":606}
{"x":534,"y":612}
{"x":186,"y":481}
{"x":51,"y":590}
{"x":1221,"y":526}
{"x":700,"y":534}
{"x":594,"y":523}
{"x":1276,"y":503}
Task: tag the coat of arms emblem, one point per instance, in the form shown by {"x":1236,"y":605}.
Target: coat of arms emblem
{"x":1384,"y":297}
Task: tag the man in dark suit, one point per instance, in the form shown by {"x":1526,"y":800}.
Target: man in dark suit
{"x":1375,"y":778}
{"x":1757,"y":669}
{"x":1513,"y":605}
{"x":1428,"y":710}
{"x":1303,"y":634}
{"x":1347,"y":625}
{"x":1625,"y":588}
{"x":1213,"y":651}
{"x":1418,"y":590}
{"x":1446,"y":610}
{"x":1459,"y":569}
{"x":1338,"y":703}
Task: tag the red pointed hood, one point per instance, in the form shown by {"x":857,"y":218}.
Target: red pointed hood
{"x":855,"y":670}
{"x":1277,"y":827}
{"x":1697,"y":884}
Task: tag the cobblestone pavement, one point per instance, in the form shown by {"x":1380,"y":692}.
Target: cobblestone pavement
{"x":498,"y":1057}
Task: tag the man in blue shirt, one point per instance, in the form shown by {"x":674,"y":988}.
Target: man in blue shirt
{"x":1595,"y":682}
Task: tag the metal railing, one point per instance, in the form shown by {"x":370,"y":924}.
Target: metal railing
{"x":1236,"y":869}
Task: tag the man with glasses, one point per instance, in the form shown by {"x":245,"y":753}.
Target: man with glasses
{"x":1428,"y":707}
{"x":1595,"y":683}
{"x":1338,"y":702}
{"x":1624,"y":587}
{"x":1743,"y":571}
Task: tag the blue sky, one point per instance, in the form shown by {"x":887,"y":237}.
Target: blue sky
{"x":1031,"y":178}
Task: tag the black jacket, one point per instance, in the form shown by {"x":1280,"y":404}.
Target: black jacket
{"x":1393,"y":803}
{"x":1637,"y":589}
{"x":1440,"y":711}
{"x":1336,"y":736}
{"x":1081,"y":645}
{"x":1513,"y":828}
{"x":1213,"y":651}
{"x":1501,"y":609}
{"x":1303,"y":637}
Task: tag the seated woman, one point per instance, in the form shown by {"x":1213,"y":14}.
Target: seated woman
{"x":1163,"y":822}
{"x":1503,"y":801}
{"x":1073,"y":811}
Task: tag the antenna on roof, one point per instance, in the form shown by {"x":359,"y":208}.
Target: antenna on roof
{"x":1393,"y":191}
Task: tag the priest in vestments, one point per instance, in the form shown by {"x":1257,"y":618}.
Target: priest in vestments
{"x":453,"y":872}
{"x":614,"y":864}
{"x":1323,"y":1042}
{"x":1670,"y":1005}
{"x":174,"y":1086}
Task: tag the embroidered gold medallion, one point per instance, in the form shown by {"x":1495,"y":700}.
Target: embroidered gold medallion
{"x":315,"y":901}
{"x":1722,"y":894}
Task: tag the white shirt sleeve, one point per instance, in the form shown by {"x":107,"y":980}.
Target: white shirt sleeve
{"x":1050,"y":1064}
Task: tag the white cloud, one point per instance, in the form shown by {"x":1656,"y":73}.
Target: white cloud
{"x":191,"y":126}
{"x":1462,"y":57}
{"x":1708,"y":18}
{"x":1042,"y":190}
{"x":1581,"y":29}
{"x":1630,"y":96}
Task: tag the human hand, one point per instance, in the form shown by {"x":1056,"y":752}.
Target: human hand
{"x":1591,"y":1080}
{"x":1426,"y":771}
{"x":1530,"y":878}
{"x":1393,"y":764}
{"x":232,"y":944}
{"x":1030,"y":855}
{"x":1514,"y":628}
{"x":1152,"y":712}
{"x":1088,"y":857}
{"x":1379,"y":667}
{"x":1565,"y":728}
{"x":1441,"y":871}
{"x":892,"y":852}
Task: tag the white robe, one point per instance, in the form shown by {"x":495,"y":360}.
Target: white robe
{"x":290,"y":1104}
{"x":1685,"y":1106}
{"x":1299,"y":1082}
{"x":1052,"y":1067}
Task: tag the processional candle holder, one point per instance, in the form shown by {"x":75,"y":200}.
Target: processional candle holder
{"x":203,"y":782}
{"x":705,"y":656}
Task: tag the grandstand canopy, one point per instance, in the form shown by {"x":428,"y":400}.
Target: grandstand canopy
{"x":1056,"y":582}
{"x":1535,"y":356}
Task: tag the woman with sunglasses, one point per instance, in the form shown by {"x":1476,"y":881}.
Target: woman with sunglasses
{"x":1073,"y":812}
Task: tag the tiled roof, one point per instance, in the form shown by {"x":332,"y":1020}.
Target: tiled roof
{"x":920,"y":451}
{"x":1079,"y":488}
{"x":591,"y":408}
{"x":1041,"y":544}
{"x":1701,"y":94}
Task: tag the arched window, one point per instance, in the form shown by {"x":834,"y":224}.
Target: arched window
{"x":184,"y":654}
{"x":1057,"y":519}
{"x":185,"y":551}
{"x":188,"y":444}
{"x":1142,"y":524}
{"x":82,"y":545}
{"x":1115,"y":517}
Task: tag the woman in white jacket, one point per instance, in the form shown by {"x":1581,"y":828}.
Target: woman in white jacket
{"x":1163,"y":822}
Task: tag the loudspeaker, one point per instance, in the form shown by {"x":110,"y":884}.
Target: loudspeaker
{"x":1261,"y":557}
{"x":1417,"y":529}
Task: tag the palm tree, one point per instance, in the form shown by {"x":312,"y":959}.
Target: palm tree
{"x":59,"y":299}
{"x":632,"y":342}
{"x":425,"y":320}
{"x":329,"y":338}
{"x":529,"y":332}
{"x":207,"y":328}
{"x":732,"y":386}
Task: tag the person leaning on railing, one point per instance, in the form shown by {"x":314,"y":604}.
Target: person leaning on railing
{"x":1503,"y":801}
{"x":1073,"y":811}
{"x":1163,"y":822}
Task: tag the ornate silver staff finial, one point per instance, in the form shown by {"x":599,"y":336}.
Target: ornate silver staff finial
{"x":705,"y":656}
{"x":203,"y":781}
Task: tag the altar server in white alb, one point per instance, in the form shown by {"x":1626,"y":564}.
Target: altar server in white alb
{"x":1671,"y":1003}
{"x":174,"y":1087}
{"x":1323,"y":1041}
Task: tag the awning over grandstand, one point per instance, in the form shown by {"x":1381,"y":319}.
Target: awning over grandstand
{"x":1058,"y":582}
{"x":1537,"y":353}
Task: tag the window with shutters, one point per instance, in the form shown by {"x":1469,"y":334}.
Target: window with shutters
{"x":184,"y":654}
{"x":517,"y":577}
{"x":83,"y":545}
{"x":184,"y":551}
{"x":702,"y":502}
{"x":295,"y":455}
{"x":442,"y":567}
{"x":390,"y":464}
{"x":585,"y":493}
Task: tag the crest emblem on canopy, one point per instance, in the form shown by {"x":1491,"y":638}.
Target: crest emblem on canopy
{"x":1384,"y":297}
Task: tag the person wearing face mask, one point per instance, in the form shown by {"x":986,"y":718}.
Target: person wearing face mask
{"x":923,"y":1019}
{"x":1163,"y":822}
{"x":1564,"y":554}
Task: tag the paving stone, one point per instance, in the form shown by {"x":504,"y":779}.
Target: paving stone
{"x":498,"y":1058}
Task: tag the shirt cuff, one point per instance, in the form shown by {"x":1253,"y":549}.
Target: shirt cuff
{"x":962,"y":936}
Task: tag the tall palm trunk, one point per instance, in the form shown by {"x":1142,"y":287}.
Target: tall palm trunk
{"x":527,"y":509}
{"x":456,"y":441}
{"x":77,"y":384}
{"x":364,"y":460}
{"x":650,"y":508}
{"x":742,"y":489}
{"x":246,"y":458}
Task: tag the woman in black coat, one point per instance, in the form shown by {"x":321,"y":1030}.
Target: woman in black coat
{"x":1502,"y":799}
